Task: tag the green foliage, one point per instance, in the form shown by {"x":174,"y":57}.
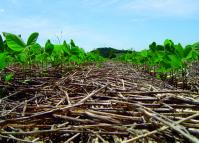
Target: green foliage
{"x":32,"y":38}
{"x":169,"y":46}
{"x":72,"y":43}
{"x":160,"y":59}
{"x":14,"y":42}
{"x":15,"y":50}
{"x":196,"y":47}
{"x":3,"y":58}
{"x":1,"y":44}
{"x":164,"y":58}
{"x":94,"y":57}
{"x":9,"y":77}
{"x":49,"y":47}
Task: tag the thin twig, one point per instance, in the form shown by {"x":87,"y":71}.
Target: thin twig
{"x":160,"y":129}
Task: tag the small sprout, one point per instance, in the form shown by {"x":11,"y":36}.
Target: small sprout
{"x":9,"y":77}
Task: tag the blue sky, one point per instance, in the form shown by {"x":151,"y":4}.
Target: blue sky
{"x":121,"y":24}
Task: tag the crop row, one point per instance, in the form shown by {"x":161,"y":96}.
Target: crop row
{"x":166,"y":61}
{"x":14,"y":50}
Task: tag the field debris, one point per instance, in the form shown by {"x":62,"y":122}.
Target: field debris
{"x":107,"y":103}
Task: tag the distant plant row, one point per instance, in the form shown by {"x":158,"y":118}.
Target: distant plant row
{"x":165,"y":60}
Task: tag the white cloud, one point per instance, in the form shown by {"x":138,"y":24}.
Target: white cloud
{"x":162,"y":8}
{"x":2,"y":10}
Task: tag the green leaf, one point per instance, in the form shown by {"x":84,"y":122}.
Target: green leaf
{"x":160,"y":48}
{"x":39,"y":57}
{"x":196,"y":47}
{"x":158,"y":56}
{"x":179,"y":50}
{"x":144,"y":53}
{"x":66,"y":49}
{"x":49,"y":47}
{"x":168,"y":42}
{"x":14,"y":42}
{"x":22,"y":57}
{"x":1,"y":44}
{"x":188,"y":52}
{"x":32,"y":38}
{"x":175,"y":61}
{"x":3,"y":57}
{"x":35,"y":49}
{"x":169,"y":46}
{"x":58,"y":49}
{"x":9,"y":77}
{"x":152,"y":46}
{"x":74,"y":58}
{"x":72,"y":43}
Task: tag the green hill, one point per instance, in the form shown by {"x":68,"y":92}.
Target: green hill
{"x":108,"y":52}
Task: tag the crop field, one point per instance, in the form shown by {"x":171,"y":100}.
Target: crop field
{"x":58,"y":93}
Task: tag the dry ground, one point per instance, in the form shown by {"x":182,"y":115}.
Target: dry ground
{"x":107,"y":103}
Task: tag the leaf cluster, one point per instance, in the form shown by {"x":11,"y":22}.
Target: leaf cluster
{"x":164,"y":58}
{"x":13,"y":50}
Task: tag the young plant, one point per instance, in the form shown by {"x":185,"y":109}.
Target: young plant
{"x":9,"y":77}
